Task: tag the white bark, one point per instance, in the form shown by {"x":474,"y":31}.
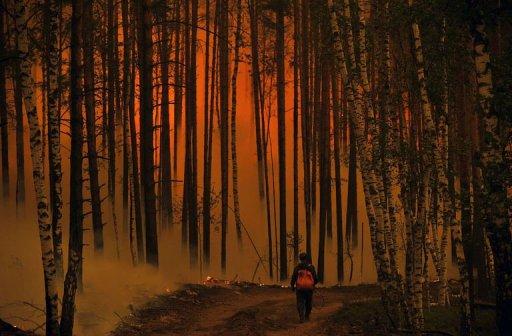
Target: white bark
{"x":36,"y":149}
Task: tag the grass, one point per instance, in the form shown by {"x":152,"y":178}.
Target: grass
{"x":369,"y":318}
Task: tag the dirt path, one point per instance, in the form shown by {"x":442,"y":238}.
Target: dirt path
{"x":237,"y":311}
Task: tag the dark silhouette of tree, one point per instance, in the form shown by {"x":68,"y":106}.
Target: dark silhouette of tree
{"x":337,"y":124}
{"x":145,"y":48}
{"x":234,"y":161}
{"x":4,"y":122}
{"x":296,"y":34}
{"x":166,"y":214}
{"x":305,"y":119}
{"x":75,"y":247}
{"x":281,"y":117}
{"x":208,"y":129}
{"x":92,"y":155}
{"x":20,"y":142}
{"x":224,"y":120}
{"x":261,"y":139}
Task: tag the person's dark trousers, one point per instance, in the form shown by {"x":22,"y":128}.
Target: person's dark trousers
{"x":304,"y":303}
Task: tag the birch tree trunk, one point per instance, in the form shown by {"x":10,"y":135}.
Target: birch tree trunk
{"x":21,"y":16}
{"x":52,"y":16}
{"x":441,"y":168}
{"x":496,"y":212}
{"x":355,"y":90}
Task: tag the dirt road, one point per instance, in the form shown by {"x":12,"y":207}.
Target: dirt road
{"x":239,"y":310}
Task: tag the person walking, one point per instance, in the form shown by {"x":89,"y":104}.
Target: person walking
{"x":303,"y":282}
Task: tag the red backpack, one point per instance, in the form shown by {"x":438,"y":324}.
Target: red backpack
{"x":305,"y":280}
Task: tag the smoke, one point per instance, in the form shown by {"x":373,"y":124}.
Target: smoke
{"x":111,"y":287}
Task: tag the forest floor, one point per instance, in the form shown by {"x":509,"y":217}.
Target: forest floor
{"x":248,"y":309}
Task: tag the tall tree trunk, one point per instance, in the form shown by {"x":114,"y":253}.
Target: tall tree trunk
{"x":352,"y":224}
{"x":26,"y":82}
{"x":224,"y":113}
{"x":296,"y":34}
{"x":191,"y":131}
{"x":355,"y":89}
{"x":323,"y":130}
{"x":129,"y":142}
{"x":92,"y":156}
{"x":208,"y":133}
{"x":466,"y":209}
{"x":494,"y":170}
{"x":256,"y":88}
{"x":305,"y":132}
{"x":441,"y":172}
{"x":125,"y":110}
{"x":75,"y":179}
{"x":104,"y":93}
{"x":281,"y":130}
{"x":178,"y":90}
{"x":336,"y":120}
{"x":187,"y":163}
{"x":259,"y":116}
{"x":234,"y":162}
{"x":20,"y":141}
{"x":145,"y":48}
{"x":112,"y":79}
{"x":139,"y":226}
{"x":4,"y":129}
{"x":51,"y":14}
{"x":266,"y":137}
{"x":316,"y":85}
{"x":130,"y":137}
{"x":165,"y":141}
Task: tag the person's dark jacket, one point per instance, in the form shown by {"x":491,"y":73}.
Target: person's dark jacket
{"x":302,"y":266}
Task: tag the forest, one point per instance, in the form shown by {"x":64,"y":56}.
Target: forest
{"x":190,"y":147}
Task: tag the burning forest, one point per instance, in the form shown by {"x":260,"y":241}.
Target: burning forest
{"x":178,"y":167}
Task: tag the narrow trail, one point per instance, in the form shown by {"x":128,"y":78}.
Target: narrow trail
{"x":237,"y":311}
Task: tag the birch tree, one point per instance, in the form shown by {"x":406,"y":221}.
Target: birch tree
{"x":21,"y":15}
{"x":496,"y":213}
{"x":51,"y":15}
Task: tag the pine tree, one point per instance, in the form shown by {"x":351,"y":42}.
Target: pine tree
{"x":145,"y":50}
{"x":281,"y":109}
{"x":224,"y":113}
{"x":92,"y":155}
{"x":4,"y":123}
{"x":75,"y":248}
